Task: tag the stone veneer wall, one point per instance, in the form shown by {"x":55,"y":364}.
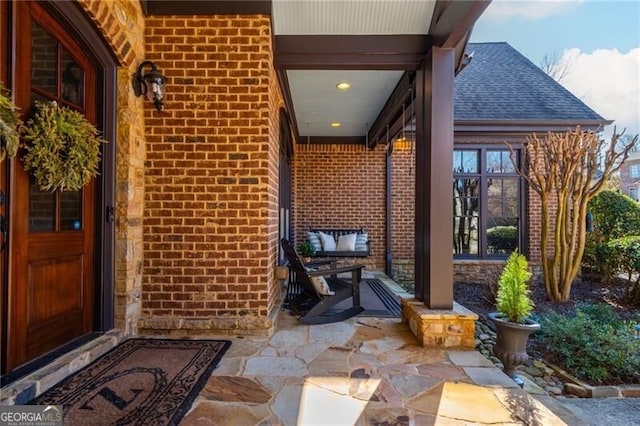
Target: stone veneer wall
{"x":340,"y":186}
{"x":122,"y":24}
{"x":441,"y":329}
{"x":210,"y":217}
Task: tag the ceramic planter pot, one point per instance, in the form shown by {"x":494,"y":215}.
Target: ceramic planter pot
{"x":511,"y":342}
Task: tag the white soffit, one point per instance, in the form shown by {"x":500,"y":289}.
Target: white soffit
{"x":352,"y":17}
{"x":317,"y":102}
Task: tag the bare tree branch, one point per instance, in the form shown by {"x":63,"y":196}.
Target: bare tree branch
{"x":553,"y":66}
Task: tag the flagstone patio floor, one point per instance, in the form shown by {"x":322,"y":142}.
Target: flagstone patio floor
{"x":363,"y":371}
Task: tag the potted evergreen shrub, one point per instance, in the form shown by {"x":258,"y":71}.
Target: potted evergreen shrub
{"x":512,"y":321}
{"x":306,"y":250}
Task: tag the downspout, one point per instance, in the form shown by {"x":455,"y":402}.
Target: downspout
{"x":388,"y":254}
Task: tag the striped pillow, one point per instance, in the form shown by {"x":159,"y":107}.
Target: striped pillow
{"x":314,"y":239}
{"x":361,"y":242}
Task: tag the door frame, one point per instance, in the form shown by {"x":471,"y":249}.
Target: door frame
{"x":5,"y":34}
{"x":77,"y":23}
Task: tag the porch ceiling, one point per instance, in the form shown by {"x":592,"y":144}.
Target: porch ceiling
{"x":367,"y":43}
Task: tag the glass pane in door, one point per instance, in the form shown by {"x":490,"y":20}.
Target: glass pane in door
{"x":42,"y":209}
{"x":44,"y":58}
{"x":72,"y":80}
{"x":71,"y":210}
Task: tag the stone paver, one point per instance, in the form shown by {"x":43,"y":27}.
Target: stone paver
{"x":489,"y":376}
{"x":219,"y":413}
{"x":469,"y":359}
{"x":526,"y":408}
{"x":463,"y":402}
{"x":286,"y":404}
{"x":363,"y":371}
{"x":566,"y":415}
{"x":275,"y":366}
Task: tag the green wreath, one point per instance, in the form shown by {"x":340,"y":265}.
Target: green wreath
{"x":62,"y":149}
{"x":10,"y":126}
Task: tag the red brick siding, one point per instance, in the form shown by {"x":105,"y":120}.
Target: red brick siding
{"x":211,"y":170}
{"x":535,"y":224}
{"x":626,"y":181}
{"x":403,"y":180}
{"x":340,"y":186}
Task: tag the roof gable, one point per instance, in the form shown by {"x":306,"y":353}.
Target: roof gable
{"x":502,"y":84}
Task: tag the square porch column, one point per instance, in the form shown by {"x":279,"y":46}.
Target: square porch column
{"x":433,"y":317}
{"x":434,"y":177}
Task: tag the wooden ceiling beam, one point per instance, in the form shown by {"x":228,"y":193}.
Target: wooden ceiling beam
{"x":209,"y":7}
{"x":366,"y":52}
{"x":453,"y":20}
{"x":391,"y":112}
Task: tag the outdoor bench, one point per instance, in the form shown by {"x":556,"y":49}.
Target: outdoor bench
{"x":361,"y":248}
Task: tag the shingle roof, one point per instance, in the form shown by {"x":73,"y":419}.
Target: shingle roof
{"x":501,"y":84}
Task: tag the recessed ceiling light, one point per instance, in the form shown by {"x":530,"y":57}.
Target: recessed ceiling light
{"x":343,"y":85}
{"x":335,"y":124}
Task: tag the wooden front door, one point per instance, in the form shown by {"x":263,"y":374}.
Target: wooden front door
{"x":51,"y":266}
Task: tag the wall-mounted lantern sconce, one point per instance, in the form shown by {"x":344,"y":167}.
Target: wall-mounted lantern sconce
{"x":150,"y":83}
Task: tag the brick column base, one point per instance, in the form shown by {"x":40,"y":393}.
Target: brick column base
{"x":442,"y":329}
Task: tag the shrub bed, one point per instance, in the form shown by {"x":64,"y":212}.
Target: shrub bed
{"x":593,"y":343}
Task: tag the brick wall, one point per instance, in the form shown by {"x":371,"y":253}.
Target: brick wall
{"x":318,"y":170}
{"x":340,"y":186}
{"x":534,"y":218}
{"x":210,"y":219}
{"x":626,"y":181}
{"x":403,"y":180}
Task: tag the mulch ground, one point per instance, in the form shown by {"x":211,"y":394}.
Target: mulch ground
{"x":478,"y":298}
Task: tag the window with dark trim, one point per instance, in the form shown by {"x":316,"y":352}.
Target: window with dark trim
{"x":487,"y":203}
{"x":284,"y":183}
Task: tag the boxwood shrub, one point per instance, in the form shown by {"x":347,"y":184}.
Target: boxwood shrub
{"x":593,"y":343}
{"x":626,"y":252}
{"x":502,"y":239}
{"x":615,"y":216}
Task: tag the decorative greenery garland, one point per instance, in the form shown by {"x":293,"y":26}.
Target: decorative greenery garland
{"x":63,"y":148}
{"x":10,"y":126}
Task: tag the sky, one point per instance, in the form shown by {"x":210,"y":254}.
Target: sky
{"x":599,"y":40}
